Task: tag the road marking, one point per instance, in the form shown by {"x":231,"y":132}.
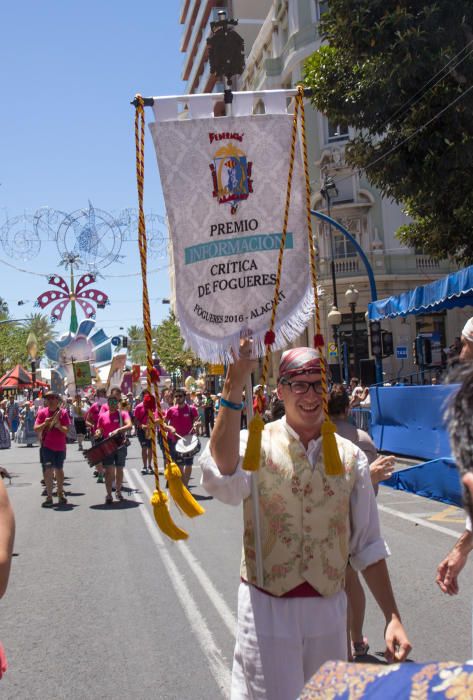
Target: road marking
{"x":217,"y":664}
{"x":215,"y":598}
{"x":418,"y":521}
{"x":449,"y":515}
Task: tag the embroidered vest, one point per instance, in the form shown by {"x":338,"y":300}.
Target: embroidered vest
{"x":304,"y":514}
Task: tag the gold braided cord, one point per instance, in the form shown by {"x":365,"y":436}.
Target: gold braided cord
{"x":159,"y":499}
{"x":333,"y":463}
{"x":143,"y":248}
{"x":255,"y":428}
{"x":310,"y":241}
{"x":332,"y":460}
{"x":287,"y":205}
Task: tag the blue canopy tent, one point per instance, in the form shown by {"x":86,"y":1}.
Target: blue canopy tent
{"x":453,"y":291}
{"x":410,"y":420}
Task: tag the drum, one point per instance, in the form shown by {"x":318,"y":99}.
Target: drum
{"x":104,"y":448}
{"x":188,"y":446}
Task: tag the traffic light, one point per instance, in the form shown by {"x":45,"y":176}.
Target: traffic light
{"x":124,"y":341}
{"x":387,"y":343}
{"x":376,"y":341}
{"x":422,"y":351}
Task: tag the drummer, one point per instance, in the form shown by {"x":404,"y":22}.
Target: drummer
{"x":180,"y":420}
{"x":112,"y":423}
{"x":91,"y":423}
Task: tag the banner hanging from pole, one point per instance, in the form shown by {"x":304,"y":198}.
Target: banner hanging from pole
{"x":82,"y":374}
{"x":224,"y":181}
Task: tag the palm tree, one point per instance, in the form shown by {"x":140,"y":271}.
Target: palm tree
{"x":136,"y":345}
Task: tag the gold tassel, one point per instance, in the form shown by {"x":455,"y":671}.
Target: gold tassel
{"x":159,"y":501}
{"x":252,"y":456}
{"x":333,"y":463}
{"x":180,"y":494}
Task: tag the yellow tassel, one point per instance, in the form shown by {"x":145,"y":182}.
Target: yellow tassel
{"x":252,"y":456}
{"x":180,"y":494}
{"x":159,"y":501}
{"x":333,"y":463}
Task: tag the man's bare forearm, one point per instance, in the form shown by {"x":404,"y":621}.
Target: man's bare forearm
{"x":225,"y":440}
{"x":465,"y":542}
{"x":377,"y":577}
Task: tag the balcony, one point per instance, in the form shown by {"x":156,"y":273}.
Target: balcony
{"x":189,"y":43}
{"x":403,"y":265}
{"x":184,"y":9}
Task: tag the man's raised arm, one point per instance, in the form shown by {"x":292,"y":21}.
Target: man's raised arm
{"x":225,"y":440}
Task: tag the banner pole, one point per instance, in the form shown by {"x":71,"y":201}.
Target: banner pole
{"x":255,"y":494}
{"x":249,"y":416}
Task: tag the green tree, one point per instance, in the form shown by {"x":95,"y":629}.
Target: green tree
{"x":167,"y":342}
{"x":12,"y":346}
{"x":400,"y":72}
{"x":170,"y":346}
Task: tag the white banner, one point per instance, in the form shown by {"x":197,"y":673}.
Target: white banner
{"x":224,"y":182}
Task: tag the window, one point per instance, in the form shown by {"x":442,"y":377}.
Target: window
{"x":321,"y":7}
{"x":337,"y":132}
{"x":342,"y":246}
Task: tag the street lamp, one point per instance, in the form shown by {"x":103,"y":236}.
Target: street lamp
{"x":328,"y":192}
{"x":351,"y":296}
{"x":334,"y":319}
{"x":32,"y":348}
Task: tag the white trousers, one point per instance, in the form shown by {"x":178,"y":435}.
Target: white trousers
{"x":281,"y":642}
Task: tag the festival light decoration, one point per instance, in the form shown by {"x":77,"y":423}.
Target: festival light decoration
{"x":87,"y":299}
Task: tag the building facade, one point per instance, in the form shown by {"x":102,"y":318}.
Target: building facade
{"x":279,"y":36}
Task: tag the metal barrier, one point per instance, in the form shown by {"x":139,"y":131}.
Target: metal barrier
{"x":362,"y":418}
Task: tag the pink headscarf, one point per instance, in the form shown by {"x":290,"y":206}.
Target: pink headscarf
{"x":299,"y":361}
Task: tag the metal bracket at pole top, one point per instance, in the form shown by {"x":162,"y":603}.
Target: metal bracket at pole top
{"x":147,"y":101}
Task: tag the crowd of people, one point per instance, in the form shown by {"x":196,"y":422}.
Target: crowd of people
{"x":53,"y":421}
{"x":320,"y":527}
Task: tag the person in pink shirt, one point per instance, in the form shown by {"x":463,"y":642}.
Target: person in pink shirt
{"x":93,"y":412}
{"x":91,"y":422}
{"x":140,"y":416}
{"x":113,"y":422}
{"x":180,"y":420}
{"x":51,"y":425}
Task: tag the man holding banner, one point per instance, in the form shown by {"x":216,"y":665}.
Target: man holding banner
{"x":311,"y":521}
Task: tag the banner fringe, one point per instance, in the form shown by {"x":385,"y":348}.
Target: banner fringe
{"x":220,"y":351}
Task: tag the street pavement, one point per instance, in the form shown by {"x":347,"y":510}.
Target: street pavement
{"x":101,"y":605}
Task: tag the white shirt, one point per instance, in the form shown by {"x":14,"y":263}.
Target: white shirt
{"x":366,"y":544}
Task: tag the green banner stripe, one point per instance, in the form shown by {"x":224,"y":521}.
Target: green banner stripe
{"x":261,"y":243}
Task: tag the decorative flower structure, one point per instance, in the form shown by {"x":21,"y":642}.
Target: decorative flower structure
{"x":86,"y":298}
{"x":89,"y":344}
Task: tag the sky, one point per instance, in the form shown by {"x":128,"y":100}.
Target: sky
{"x":69,"y":71}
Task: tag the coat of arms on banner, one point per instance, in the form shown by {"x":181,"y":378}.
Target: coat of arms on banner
{"x":224,"y":183}
{"x":231,"y":173}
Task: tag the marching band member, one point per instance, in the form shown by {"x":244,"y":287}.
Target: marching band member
{"x":91,"y":419}
{"x":111,"y":423}
{"x":52,"y":424}
{"x":78,"y":415}
{"x":143,"y":434}
{"x":181,"y":420}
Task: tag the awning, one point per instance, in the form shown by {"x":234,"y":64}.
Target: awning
{"x":453,"y":291}
{"x":19,"y":378}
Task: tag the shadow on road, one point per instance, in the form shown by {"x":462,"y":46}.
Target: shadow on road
{"x":116,"y":505}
